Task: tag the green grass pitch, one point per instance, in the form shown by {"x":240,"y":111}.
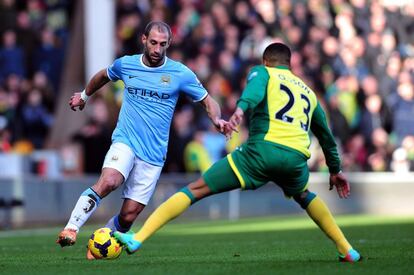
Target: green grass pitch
{"x":272,"y":245}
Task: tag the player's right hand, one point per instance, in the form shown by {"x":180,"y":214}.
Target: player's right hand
{"x":222,"y":127}
{"x":236,"y":119}
{"x":341,"y":183}
{"x":76,"y":101}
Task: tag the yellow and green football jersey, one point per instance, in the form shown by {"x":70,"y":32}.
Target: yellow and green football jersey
{"x":283,"y":111}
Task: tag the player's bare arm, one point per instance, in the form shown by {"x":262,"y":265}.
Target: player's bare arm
{"x":341,"y":183}
{"x":214,"y":113}
{"x":79,"y":99}
{"x":236,"y":118}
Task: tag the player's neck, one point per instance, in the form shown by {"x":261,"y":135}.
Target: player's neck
{"x":152,"y":65}
{"x":285,"y":67}
{"x":277,"y":65}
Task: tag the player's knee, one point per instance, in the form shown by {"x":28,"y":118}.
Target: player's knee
{"x":186,"y":190}
{"x":304,"y":198}
{"x":128,"y":215}
{"x":110,"y":183}
{"x":127,"y":218}
{"x":199,"y":189}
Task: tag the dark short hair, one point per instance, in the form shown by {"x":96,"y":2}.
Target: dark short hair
{"x":277,"y":53}
{"x":162,"y":27}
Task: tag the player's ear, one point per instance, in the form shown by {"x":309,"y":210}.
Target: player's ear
{"x":169,"y":42}
{"x":144,"y":39}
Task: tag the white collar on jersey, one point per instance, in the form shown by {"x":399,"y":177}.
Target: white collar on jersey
{"x":152,"y":68}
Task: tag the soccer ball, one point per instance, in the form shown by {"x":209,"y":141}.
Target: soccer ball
{"x":103,"y":245}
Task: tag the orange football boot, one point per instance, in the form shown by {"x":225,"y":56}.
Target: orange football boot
{"x":67,"y":237}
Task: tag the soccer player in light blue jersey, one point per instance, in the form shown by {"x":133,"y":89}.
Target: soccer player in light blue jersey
{"x":153,"y":83}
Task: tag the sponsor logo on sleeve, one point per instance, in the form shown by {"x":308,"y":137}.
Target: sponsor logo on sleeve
{"x":251,"y":76}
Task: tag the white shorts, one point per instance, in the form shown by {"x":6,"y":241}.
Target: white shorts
{"x":140,"y":177}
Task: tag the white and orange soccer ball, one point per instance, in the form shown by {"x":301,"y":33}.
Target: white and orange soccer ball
{"x":103,"y":245}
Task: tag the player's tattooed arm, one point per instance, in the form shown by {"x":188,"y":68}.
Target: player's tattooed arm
{"x":79,"y":99}
{"x":214,"y":113}
{"x":96,"y":82}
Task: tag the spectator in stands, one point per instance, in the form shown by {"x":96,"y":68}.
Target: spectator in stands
{"x":361,"y":13}
{"x":48,"y":57}
{"x":402,"y":107}
{"x":37,"y":13}
{"x":380,"y":150}
{"x":7,"y":15}
{"x":5,"y":138}
{"x":377,"y":162}
{"x":27,"y":38}
{"x":6,"y":109}
{"x":11,"y":57}
{"x":372,"y":52}
{"x":337,"y":121}
{"x":35,"y":118}
{"x":215,"y":144}
{"x":12,"y":99}
{"x":349,"y":65}
{"x":301,"y":18}
{"x":196,"y":156}
{"x":94,"y":137}
{"x":356,"y":153}
{"x":369,"y":86}
{"x":41,"y":83}
{"x":408,"y":145}
{"x":252,"y":46}
{"x":228,"y":64}
{"x":388,"y":81}
{"x":127,"y":32}
{"x":400,"y":163}
{"x":346,"y":89}
{"x":374,"y":115}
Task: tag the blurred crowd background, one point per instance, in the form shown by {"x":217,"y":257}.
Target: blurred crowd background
{"x":357,"y":55}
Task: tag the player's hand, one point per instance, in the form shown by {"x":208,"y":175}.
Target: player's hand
{"x":236,"y":119}
{"x":341,"y":183}
{"x":76,"y":101}
{"x":223,"y":127}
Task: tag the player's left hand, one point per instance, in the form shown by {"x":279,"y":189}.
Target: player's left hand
{"x":341,"y":183}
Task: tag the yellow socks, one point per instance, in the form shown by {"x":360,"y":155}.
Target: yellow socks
{"x":167,"y":211}
{"x":179,"y":202}
{"x":321,"y":215}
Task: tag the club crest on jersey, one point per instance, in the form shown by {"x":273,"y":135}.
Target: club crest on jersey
{"x":165,"y":80}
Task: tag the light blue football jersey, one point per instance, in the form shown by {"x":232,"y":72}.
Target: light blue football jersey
{"x":149,"y":101}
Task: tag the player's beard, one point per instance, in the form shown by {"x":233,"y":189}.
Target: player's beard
{"x":154,"y":61}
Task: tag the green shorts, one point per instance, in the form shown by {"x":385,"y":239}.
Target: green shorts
{"x":252,"y":165}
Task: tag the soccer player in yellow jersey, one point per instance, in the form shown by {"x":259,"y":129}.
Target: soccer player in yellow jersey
{"x":284,"y":110}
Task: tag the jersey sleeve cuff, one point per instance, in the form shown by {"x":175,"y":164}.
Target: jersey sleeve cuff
{"x":334,"y":169}
{"x":109,"y":75}
{"x":243,"y":105}
{"x":202,"y":98}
